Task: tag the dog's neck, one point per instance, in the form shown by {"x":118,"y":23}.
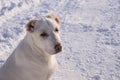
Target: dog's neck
{"x":36,"y":51}
{"x":26,"y":61}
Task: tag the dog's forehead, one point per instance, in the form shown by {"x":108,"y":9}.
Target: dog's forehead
{"x":46,"y":24}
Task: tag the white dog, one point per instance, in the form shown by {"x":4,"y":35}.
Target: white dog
{"x":34,"y":58}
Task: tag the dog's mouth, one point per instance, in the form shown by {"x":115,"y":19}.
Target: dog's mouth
{"x":58,"y":51}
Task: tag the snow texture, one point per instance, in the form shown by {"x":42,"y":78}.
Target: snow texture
{"x":90,"y":32}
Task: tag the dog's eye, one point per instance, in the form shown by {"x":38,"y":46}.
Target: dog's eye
{"x":56,"y":30}
{"x":44,"y":34}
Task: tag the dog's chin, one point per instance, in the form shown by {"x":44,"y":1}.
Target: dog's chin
{"x":57,"y":52}
{"x":54,"y":53}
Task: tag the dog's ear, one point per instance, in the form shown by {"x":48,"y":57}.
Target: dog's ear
{"x":54,"y":16}
{"x":30,"y":25}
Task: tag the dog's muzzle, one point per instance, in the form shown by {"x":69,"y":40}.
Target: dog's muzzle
{"x":58,"y":47}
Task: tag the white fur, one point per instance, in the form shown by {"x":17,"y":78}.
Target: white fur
{"x":34,"y":57}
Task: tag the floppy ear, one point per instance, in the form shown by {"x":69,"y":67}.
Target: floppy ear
{"x":54,"y":16}
{"x":30,"y":25}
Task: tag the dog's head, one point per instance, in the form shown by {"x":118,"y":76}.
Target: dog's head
{"x":45,"y":33}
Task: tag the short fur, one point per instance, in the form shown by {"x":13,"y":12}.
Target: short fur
{"x":34,"y":57}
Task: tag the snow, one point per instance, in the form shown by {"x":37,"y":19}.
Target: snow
{"x":90,"y":32}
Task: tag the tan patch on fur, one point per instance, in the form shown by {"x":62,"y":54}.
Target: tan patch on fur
{"x":30,"y":25}
{"x":55,"y":17}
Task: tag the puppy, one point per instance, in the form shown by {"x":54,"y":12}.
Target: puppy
{"x":34,"y":57}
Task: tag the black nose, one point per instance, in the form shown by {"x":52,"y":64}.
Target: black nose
{"x":58,"y":47}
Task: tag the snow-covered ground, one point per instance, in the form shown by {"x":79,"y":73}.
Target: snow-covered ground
{"x":90,"y":31}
